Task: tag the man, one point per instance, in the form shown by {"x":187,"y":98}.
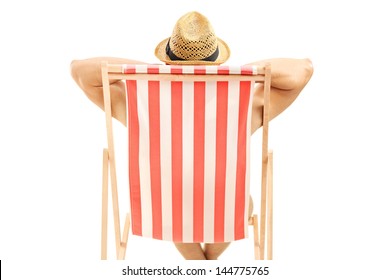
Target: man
{"x":193,"y":41}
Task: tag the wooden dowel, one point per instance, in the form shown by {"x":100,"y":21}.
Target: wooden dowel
{"x":111,"y":155}
{"x":185,"y":77}
{"x":270,"y":207}
{"x":263,"y":199}
{"x":256,"y":241}
{"x":104,"y":206}
{"x":125,"y":237}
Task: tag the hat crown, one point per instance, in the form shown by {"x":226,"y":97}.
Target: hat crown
{"x":193,"y":37}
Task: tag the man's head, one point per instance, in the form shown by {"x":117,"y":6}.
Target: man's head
{"x":193,"y":41}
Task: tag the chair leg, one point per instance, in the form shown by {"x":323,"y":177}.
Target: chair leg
{"x":264,"y":156}
{"x":263,"y":208}
{"x":254,"y":222}
{"x":125,"y":236}
{"x":104,"y":206}
{"x":266,"y":210}
{"x":270,"y":206}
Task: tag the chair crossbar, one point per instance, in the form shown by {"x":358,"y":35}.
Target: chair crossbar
{"x":247,"y":70}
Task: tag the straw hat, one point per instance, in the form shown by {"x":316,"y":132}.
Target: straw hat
{"x":193,"y":41}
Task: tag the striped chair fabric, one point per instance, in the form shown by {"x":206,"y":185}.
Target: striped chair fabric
{"x":189,"y":145}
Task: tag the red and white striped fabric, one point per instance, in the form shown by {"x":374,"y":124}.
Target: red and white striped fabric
{"x":189,"y":154}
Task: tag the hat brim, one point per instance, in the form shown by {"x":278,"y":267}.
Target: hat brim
{"x":224,"y":53}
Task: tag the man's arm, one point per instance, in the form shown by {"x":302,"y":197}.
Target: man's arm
{"x":87,"y":74}
{"x":288,"y":77}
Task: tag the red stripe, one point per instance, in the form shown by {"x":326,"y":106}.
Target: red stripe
{"x":240,"y":215}
{"x":220,"y":165}
{"x":199,"y":70}
{"x":129,"y":69}
{"x":175,"y":69}
{"x":223,"y":70}
{"x":246,"y":70}
{"x":153,"y":69}
{"x":155,"y":161}
{"x":177,"y":161}
{"x":133,"y":126}
{"x":199,"y":134}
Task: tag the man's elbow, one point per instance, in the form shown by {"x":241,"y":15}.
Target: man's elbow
{"x":75,"y":70}
{"x":308,"y":70}
{"x":305,"y":71}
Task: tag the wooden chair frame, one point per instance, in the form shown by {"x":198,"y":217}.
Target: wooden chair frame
{"x":114,"y":71}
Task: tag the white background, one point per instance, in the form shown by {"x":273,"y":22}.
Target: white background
{"x":330,"y":147}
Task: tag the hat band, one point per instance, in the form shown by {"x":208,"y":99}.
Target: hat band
{"x":172,"y":56}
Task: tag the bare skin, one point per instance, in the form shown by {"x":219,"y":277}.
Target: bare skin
{"x":289,"y":77}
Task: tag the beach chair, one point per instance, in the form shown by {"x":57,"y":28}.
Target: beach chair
{"x":189,"y":143}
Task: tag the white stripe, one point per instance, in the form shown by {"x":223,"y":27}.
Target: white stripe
{"x":188,"y":69}
{"x":248,"y":146}
{"x":231,"y":158}
{"x":212,"y":69}
{"x":144,"y":163}
{"x":188,"y":160}
{"x":254,"y":72}
{"x":235,"y":70}
{"x":209,"y":160}
{"x":166,"y":159}
{"x":141,"y":68}
{"x":164,"y":69}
